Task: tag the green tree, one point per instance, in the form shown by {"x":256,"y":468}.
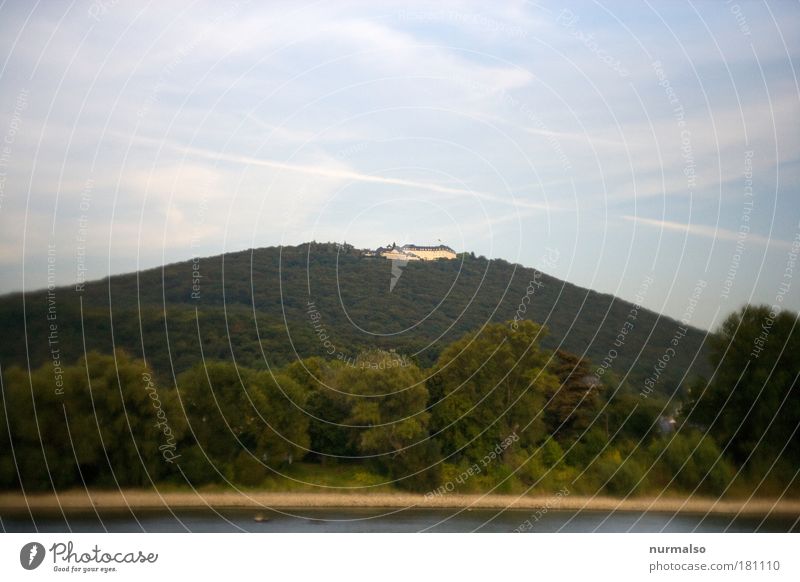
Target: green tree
{"x":617,"y":474}
{"x":103,"y":421}
{"x":490,"y":385}
{"x":691,"y":460}
{"x":284,"y":436}
{"x":242,"y":422}
{"x":752,"y":401}
{"x":328,"y":409}
{"x":574,"y":403}
{"x":630,"y":416}
{"x":388,"y":401}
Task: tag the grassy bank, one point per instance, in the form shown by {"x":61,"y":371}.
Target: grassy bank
{"x":78,"y":500}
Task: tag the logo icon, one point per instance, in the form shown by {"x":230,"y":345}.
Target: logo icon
{"x":397,"y":269}
{"x":31,"y":555}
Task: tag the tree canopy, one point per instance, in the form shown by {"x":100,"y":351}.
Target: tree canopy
{"x":498,"y":411}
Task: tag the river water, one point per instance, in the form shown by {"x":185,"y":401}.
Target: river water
{"x":392,"y":520}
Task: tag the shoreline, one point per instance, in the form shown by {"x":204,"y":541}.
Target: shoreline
{"x":81,"y":501}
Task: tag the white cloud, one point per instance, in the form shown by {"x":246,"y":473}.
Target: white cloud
{"x":711,"y":232}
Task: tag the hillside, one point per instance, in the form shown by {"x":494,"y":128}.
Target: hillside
{"x":257,"y":305}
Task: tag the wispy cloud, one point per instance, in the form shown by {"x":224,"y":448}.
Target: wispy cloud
{"x":711,"y":232}
{"x":339,"y":173}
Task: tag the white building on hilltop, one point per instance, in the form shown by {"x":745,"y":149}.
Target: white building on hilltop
{"x":416,"y":253}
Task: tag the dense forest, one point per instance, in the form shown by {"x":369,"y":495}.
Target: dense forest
{"x":271,"y":306}
{"x":496,"y":411}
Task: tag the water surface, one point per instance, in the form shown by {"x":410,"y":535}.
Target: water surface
{"x":390,"y":520}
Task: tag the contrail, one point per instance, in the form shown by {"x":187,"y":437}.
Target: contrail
{"x":337,"y":173}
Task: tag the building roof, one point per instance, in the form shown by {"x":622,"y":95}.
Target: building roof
{"x":427,"y":248}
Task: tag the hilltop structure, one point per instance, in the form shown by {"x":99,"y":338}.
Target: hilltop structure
{"x":414,"y":253}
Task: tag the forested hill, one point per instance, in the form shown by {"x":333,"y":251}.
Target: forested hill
{"x":273,"y":305}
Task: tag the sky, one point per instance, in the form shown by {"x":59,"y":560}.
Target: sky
{"x":607,"y":144}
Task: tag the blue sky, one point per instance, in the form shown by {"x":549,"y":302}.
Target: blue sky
{"x":627,"y":139}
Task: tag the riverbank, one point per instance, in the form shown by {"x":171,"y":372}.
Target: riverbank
{"x":78,"y":501}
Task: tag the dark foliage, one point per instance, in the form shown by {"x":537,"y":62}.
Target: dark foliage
{"x":253,"y":307}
